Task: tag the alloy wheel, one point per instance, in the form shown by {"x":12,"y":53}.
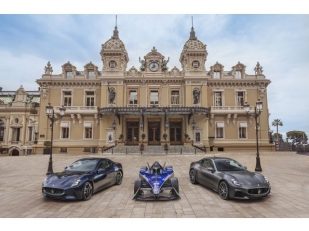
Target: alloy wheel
{"x":87,"y":191}
{"x":223,"y":190}
{"x":192,"y":176}
{"x":119,"y":178}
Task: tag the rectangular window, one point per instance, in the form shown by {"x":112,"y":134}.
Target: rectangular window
{"x":69,"y":75}
{"x":65,"y":130}
{"x":218,"y":98}
{"x":242,"y":130}
{"x":91,"y":75}
{"x":238,"y":75}
{"x":197,"y":137}
{"x":133,"y":97}
{"x":67,"y":98}
{"x":30,"y":131}
{"x":175,"y":97}
{"x":88,"y":130}
{"x":240,"y":95}
{"x":16,"y":134}
{"x":89,"y":98}
{"x":63,"y":150}
{"x":219,"y":130}
{"x":217,"y":74}
{"x":154,"y":97}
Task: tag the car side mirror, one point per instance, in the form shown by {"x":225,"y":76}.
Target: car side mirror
{"x":210,"y":169}
{"x":66,"y":167}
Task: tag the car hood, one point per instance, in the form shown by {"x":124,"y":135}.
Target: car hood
{"x":246,"y":178}
{"x":62,"y":179}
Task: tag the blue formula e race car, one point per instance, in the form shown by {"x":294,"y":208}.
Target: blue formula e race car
{"x":156,"y":183}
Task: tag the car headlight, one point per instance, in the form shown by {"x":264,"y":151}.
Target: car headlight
{"x":235,"y":182}
{"x":75,"y":182}
{"x":45,"y":181}
{"x":266,"y":179}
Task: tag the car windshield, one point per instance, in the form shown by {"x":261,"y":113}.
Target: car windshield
{"x":82,"y":166}
{"x":228,"y":165}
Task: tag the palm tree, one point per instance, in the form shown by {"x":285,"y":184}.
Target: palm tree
{"x":277,"y":123}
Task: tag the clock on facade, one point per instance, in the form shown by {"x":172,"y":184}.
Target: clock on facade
{"x":195,"y":64}
{"x":112,"y":64}
{"x":154,"y":66}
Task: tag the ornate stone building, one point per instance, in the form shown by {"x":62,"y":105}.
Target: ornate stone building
{"x":152,"y":105}
{"x":18,"y":121}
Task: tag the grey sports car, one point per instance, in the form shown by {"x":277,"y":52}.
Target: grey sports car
{"x":229,"y":178}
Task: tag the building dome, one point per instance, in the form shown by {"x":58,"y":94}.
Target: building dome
{"x":194,"y":54}
{"x":114,"y":43}
{"x":193,"y":44}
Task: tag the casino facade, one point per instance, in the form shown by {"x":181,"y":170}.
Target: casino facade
{"x":150,"y":108}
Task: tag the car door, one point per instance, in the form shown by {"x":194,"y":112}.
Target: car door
{"x":110,"y":173}
{"x":102,"y":176}
{"x":207,"y":176}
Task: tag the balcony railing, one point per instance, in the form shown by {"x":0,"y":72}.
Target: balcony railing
{"x":79,"y":109}
{"x":229,"y":109}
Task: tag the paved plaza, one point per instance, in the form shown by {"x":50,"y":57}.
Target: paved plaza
{"x":21,"y":179}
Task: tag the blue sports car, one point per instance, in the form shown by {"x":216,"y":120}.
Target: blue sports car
{"x":82,"y":178}
{"x":156,"y":183}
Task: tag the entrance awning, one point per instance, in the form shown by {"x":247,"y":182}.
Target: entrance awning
{"x":154,"y":110}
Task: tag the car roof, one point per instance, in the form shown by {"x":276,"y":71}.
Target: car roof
{"x":94,"y":158}
{"x":218,"y":158}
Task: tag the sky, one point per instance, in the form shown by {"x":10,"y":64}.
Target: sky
{"x":278,"y":42}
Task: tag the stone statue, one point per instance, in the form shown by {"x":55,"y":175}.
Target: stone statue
{"x":111,"y":95}
{"x":196,"y":96}
{"x":258,"y":69}
{"x":143,"y":64}
{"x":164,"y":63}
{"x":48,"y":69}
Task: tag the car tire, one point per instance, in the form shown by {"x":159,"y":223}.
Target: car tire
{"x":223,"y":190}
{"x":119,"y":177}
{"x":175,"y":185}
{"x":87,"y":191}
{"x":192,"y":176}
{"x":137,"y":186}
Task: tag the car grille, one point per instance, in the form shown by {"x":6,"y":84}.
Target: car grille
{"x":54,"y":191}
{"x":258,"y":191}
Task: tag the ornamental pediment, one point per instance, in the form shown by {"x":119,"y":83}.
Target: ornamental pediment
{"x":153,"y":62}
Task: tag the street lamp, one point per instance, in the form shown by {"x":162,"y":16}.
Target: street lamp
{"x":257,"y":111}
{"x":50,"y":112}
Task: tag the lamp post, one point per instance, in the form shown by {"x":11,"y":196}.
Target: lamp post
{"x":50,"y":112}
{"x":257,"y":111}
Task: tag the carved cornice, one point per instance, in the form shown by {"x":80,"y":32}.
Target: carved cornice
{"x":238,"y":83}
{"x":157,"y":81}
{"x":66,"y":82}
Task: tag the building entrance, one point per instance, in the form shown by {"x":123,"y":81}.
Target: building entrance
{"x":132,"y":133}
{"x":175,"y":133}
{"x":154,"y":133}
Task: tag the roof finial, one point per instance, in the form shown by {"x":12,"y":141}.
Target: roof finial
{"x":192,"y":33}
{"x":116,"y":33}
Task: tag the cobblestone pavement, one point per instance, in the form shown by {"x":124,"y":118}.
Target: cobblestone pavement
{"x":21,"y":178}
